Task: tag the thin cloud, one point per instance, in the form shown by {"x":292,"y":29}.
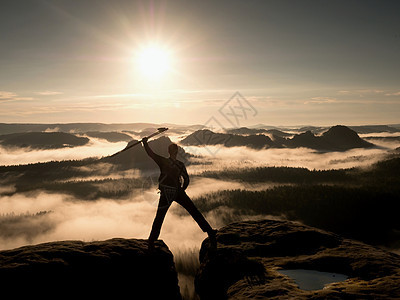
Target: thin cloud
{"x":48,"y":93}
{"x":361,"y":92}
{"x":6,"y":96}
{"x":393,"y":94}
{"x":321,"y":100}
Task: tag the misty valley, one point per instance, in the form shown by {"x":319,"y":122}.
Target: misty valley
{"x":340,"y":179}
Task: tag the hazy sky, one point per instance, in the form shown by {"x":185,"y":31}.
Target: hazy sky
{"x":294,"y":62}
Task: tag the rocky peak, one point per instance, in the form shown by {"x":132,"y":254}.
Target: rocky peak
{"x":340,"y":131}
{"x":116,"y":268}
{"x":342,"y":137}
{"x":250,"y":254}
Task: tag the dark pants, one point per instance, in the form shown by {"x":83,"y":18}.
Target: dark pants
{"x":166,"y":199}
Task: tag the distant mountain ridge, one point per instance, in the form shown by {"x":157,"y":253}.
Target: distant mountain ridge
{"x":112,"y":137}
{"x":6,"y":128}
{"x":208,"y":137}
{"x":245,"y":130}
{"x":337,"y":138}
{"x":71,"y":127}
{"x":42,"y":140}
{"x":374,"y":128}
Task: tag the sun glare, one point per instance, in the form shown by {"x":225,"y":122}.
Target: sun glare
{"x":153,"y":61}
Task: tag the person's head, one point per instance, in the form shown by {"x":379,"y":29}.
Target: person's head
{"x":173,"y":150}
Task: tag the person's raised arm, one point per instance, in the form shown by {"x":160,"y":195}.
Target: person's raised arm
{"x":186,"y":179}
{"x":150,"y":152}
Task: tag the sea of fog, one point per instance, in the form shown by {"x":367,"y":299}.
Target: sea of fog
{"x":216,"y":157}
{"x":95,"y":148}
{"x":107,"y":218}
{"x":66,"y":218}
{"x":69,"y":218}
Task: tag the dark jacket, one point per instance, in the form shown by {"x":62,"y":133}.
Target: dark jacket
{"x":171,"y":170}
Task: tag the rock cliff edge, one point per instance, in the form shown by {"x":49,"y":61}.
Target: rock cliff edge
{"x":250,"y":254}
{"x":113,"y":268}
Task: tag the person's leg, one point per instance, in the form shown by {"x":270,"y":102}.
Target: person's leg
{"x":184,"y":200}
{"x":162,"y":209}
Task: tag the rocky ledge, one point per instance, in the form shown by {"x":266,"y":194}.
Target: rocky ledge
{"x":250,"y":254}
{"x":116,"y":268}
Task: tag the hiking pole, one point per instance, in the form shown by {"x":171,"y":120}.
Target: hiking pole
{"x":159,"y":130}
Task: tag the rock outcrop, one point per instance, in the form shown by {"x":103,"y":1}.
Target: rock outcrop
{"x":136,"y":157}
{"x":208,"y":137}
{"x":116,"y":268}
{"x":343,"y":138}
{"x":249,"y":255}
{"x":337,"y":138}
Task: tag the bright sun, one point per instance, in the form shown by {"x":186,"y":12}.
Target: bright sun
{"x":153,"y":61}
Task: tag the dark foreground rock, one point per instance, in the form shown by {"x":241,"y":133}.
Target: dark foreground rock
{"x":116,"y":269}
{"x":249,"y":255}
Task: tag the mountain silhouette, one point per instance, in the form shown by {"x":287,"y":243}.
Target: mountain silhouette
{"x":7,"y":128}
{"x":337,"y":138}
{"x":136,"y":157}
{"x":42,"y":140}
{"x":374,"y":128}
{"x":278,"y":133}
{"x":247,"y":131}
{"x":343,"y":138}
{"x":112,"y":137}
{"x":207,"y":137}
{"x":306,"y":139}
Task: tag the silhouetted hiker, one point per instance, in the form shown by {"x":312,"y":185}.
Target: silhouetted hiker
{"x":172,"y":189}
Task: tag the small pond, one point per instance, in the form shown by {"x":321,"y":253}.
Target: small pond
{"x":312,"y":280}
